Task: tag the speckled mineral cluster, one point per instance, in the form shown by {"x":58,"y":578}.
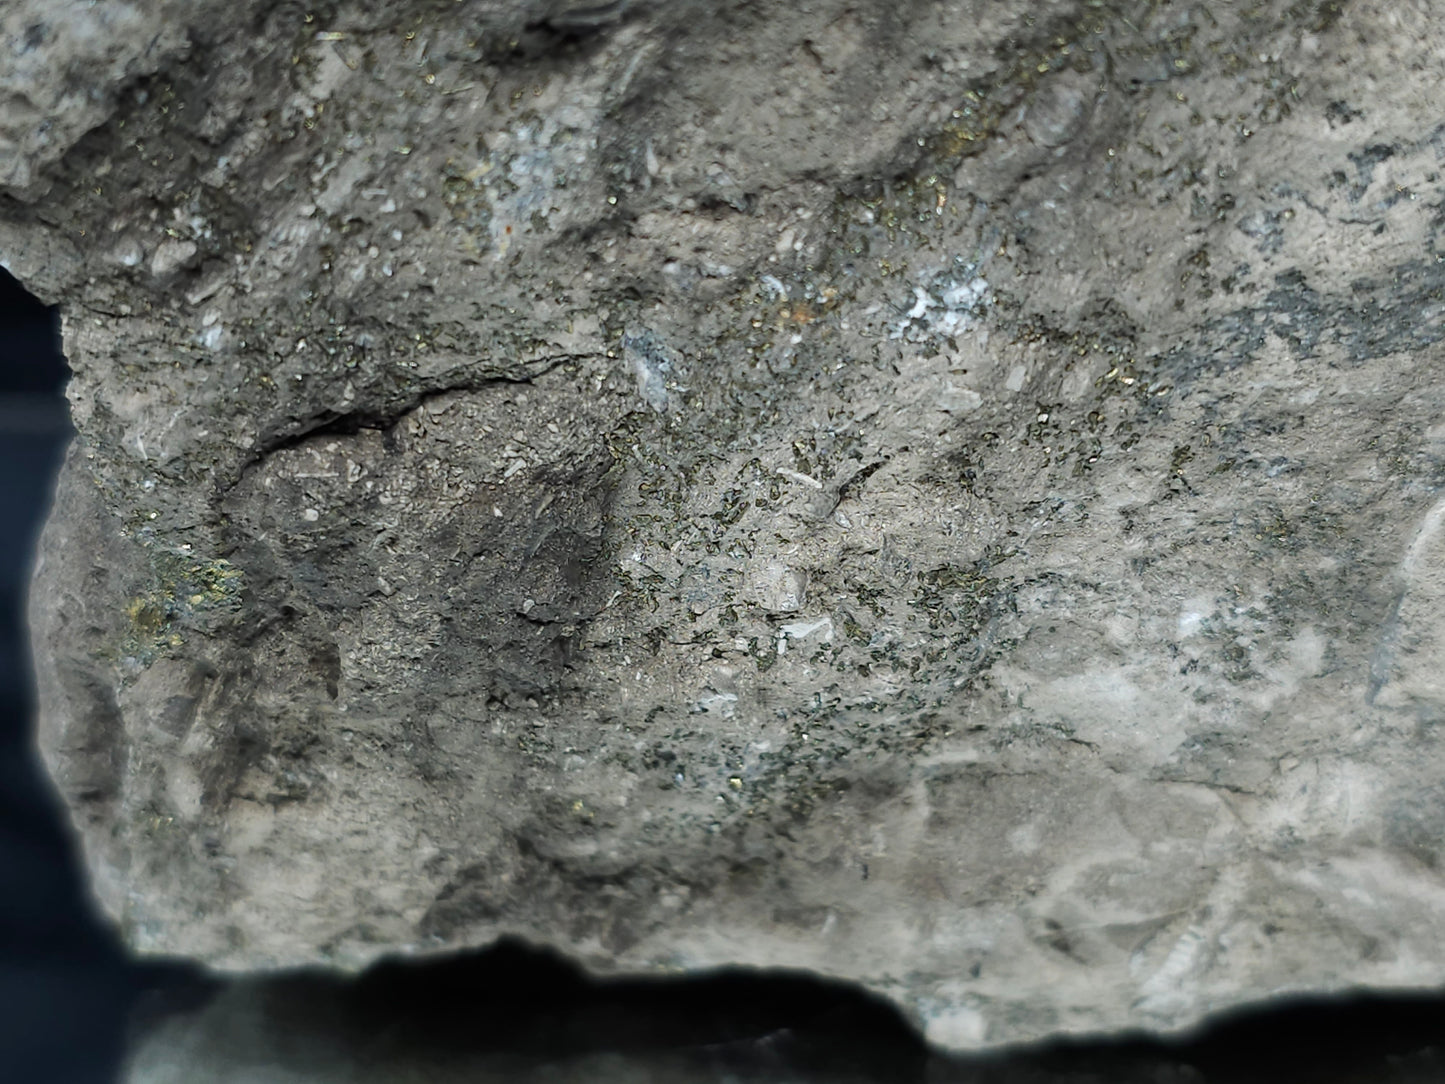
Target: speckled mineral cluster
{"x":947,"y":495}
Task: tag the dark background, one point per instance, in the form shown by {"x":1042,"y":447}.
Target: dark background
{"x":63,"y":981}
{"x":66,"y":986}
{"x":69,"y":993}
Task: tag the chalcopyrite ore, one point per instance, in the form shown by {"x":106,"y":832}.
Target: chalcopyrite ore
{"x":948,"y":495}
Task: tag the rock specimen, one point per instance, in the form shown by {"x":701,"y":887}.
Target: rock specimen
{"x":942,"y":494}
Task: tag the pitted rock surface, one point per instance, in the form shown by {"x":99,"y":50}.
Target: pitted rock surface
{"x":945,"y":495}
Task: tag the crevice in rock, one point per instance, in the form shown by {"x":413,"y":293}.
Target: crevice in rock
{"x":348,"y":423}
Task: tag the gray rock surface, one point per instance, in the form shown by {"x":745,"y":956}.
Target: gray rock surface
{"x":947,"y":495}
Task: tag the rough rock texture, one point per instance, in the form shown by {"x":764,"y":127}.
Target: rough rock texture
{"x":943,"y":494}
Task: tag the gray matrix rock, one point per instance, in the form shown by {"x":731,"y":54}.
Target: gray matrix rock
{"x":947,"y":495}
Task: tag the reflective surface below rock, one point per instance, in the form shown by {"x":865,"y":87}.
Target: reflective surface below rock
{"x":517,"y":1014}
